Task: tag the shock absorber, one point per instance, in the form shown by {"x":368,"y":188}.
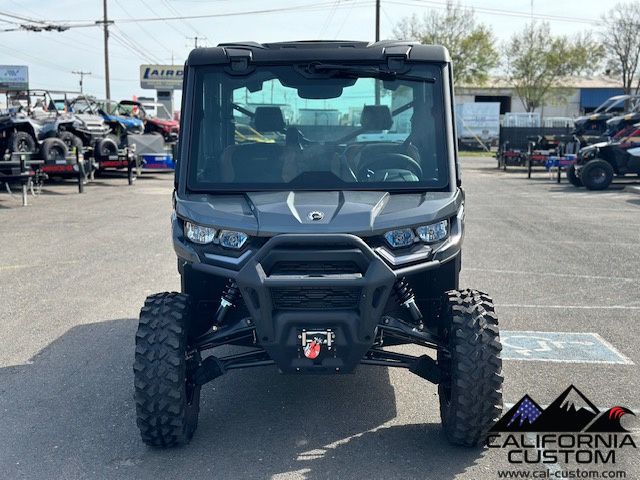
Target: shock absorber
{"x":407,"y":299}
{"x":229,"y":298}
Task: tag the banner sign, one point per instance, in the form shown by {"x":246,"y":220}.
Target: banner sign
{"x":14,"y":77}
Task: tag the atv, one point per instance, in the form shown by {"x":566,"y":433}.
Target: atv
{"x":318,"y":251}
{"x":121,"y":125}
{"x":597,"y":164}
{"x":594,"y":127}
{"x":621,"y":124}
{"x":92,"y":128}
{"x":167,"y":127}
{"x":38,"y":123}
{"x":33,"y":123}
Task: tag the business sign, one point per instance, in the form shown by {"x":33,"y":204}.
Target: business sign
{"x":161,"y":77}
{"x":478,"y":120}
{"x":14,"y":77}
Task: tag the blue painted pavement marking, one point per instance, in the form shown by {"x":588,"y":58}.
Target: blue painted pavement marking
{"x":569,"y":347}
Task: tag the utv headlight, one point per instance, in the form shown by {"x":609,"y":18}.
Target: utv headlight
{"x":198,"y":233}
{"x":433,"y":233}
{"x":232,"y":239}
{"x":400,"y":238}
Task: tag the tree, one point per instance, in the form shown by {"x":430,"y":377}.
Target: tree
{"x":471,"y":45}
{"x":622,"y":42}
{"x":536,"y":62}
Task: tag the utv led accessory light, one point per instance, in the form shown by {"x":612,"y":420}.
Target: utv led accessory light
{"x":400,"y":238}
{"x":231,"y":239}
{"x":433,"y":233}
{"x":198,"y":233}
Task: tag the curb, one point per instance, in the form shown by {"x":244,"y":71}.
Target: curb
{"x":632,"y":189}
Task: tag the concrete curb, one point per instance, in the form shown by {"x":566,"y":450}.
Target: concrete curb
{"x":633,"y":189}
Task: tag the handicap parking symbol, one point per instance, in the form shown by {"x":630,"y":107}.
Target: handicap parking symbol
{"x":570,"y":347}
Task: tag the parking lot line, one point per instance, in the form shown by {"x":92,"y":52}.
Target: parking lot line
{"x":570,"y":307}
{"x":553,"y":274}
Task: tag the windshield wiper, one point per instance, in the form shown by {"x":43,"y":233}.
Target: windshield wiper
{"x":350,"y":71}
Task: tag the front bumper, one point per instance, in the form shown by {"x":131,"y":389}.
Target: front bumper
{"x":284,"y":306}
{"x":285,"y":298}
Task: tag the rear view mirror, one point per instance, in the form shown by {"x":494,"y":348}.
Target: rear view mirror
{"x":320,"y":91}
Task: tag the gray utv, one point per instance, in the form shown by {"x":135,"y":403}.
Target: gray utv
{"x":44,"y":121}
{"x":330,"y":233}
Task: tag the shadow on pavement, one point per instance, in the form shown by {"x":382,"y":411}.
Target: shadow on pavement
{"x":69,"y":413}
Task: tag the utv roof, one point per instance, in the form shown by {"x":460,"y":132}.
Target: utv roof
{"x":317,"y":50}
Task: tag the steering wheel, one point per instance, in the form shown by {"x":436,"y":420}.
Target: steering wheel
{"x":388,"y":161}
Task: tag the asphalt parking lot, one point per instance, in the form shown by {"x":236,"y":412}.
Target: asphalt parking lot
{"x":75,"y":270}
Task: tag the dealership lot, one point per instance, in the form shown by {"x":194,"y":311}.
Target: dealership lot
{"x":75,"y":271}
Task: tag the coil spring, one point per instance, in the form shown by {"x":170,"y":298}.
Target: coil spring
{"x":231,"y":292}
{"x":403,"y":291}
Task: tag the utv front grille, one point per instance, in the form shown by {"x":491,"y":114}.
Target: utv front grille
{"x":311,"y":298}
{"x":314,"y":268}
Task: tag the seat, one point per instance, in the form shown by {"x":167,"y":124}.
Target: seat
{"x":377,"y":118}
{"x":261,"y":162}
{"x":268,"y":120}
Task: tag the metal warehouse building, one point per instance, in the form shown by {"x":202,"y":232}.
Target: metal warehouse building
{"x":578,"y":95}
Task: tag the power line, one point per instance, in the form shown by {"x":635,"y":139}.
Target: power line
{"x":119,"y":36}
{"x":309,"y":7}
{"x":61,"y":25}
{"x":344,"y":20}
{"x":327,"y":21}
{"x":173,"y":10}
{"x":168,"y":24}
{"x":143,"y":29}
{"x":442,"y":5}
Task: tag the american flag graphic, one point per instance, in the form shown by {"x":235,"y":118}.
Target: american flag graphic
{"x":527,"y":410}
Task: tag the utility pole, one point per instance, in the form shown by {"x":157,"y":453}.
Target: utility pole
{"x":378,"y":20}
{"x":105,"y":26}
{"x":377,"y":82}
{"x":195,"y":40}
{"x":82,"y":74}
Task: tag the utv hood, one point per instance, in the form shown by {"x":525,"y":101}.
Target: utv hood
{"x":164,"y":123}
{"x":128,"y":122}
{"x":358,"y":212}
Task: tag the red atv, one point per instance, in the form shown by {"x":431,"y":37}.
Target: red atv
{"x":167,"y":127}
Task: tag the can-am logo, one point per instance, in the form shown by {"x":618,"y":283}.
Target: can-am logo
{"x":570,"y":429}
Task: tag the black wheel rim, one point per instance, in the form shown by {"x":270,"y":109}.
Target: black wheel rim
{"x":598,"y":176}
{"x":57,"y":154}
{"x":23,"y":145}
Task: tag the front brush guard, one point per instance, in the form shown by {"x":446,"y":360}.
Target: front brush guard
{"x":423,"y":366}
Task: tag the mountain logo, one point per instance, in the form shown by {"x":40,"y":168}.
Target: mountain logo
{"x":572,"y":411}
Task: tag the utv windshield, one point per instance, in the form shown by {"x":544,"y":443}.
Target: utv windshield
{"x":318,"y":127}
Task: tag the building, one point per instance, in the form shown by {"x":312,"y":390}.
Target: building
{"x":577,"y":96}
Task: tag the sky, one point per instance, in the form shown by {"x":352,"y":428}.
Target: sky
{"x":52,"y":56}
